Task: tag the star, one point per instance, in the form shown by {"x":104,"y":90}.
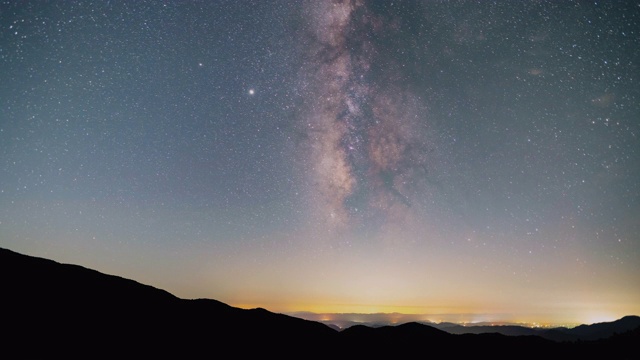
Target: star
{"x":252,"y":91}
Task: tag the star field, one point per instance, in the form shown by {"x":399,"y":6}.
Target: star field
{"x":467,"y":158}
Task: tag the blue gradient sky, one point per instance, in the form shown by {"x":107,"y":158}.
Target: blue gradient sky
{"x":415,"y":157}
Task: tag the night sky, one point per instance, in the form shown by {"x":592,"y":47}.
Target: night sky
{"x":471,"y":160}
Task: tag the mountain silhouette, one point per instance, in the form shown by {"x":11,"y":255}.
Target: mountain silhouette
{"x":59,"y":309}
{"x":580,"y":333}
{"x":51,"y":309}
{"x":603,"y":330}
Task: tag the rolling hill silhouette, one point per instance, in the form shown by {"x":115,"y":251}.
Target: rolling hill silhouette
{"x":580,"y":333}
{"x":52,"y":309}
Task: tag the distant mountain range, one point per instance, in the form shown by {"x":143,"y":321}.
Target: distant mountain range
{"x":579,"y":333}
{"x":59,"y":310}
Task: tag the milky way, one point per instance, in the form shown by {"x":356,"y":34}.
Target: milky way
{"x":368,"y":146}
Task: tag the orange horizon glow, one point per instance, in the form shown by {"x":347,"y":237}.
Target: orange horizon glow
{"x":463,"y":316}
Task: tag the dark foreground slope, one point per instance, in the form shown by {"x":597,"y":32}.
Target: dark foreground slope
{"x":51,"y":310}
